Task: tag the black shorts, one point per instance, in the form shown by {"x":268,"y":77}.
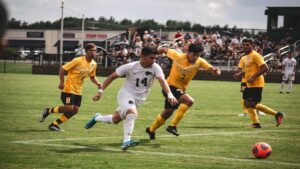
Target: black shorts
{"x":71,"y":99}
{"x":253,"y":94}
{"x":177,"y":94}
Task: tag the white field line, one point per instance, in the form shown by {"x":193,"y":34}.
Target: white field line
{"x":229,"y":133}
{"x":168,"y":154}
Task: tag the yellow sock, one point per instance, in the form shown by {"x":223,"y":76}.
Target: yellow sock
{"x":54,"y":110}
{"x":179,"y":114}
{"x":265,"y":109}
{"x":253,"y":115}
{"x":159,"y":121}
{"x":244,"y":107}
{"x":63,"y":118}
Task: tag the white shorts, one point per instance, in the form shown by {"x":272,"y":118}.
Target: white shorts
{"x":288,"y":77}
{"x":126,"y":101}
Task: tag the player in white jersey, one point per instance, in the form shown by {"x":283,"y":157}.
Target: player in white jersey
{"x":288,"y":71}
{"x":140,"y":76}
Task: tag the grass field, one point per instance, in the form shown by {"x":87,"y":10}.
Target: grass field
{"x":212,"y":135}
{"x":24,"y":67}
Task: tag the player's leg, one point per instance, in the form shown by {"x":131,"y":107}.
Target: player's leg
{"x":159,"y":121}
{"x":245,"y":113}
{"x":186,"y":102}
{"x":290,"y":85}
{"x":71,"y":107}
{"x":284,"y":80}
{"x":252,"y":96}
{"x":131,"y":116}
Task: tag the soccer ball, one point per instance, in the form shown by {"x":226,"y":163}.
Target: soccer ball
{"x":261,"y":150}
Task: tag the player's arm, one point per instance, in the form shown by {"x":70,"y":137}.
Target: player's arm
{"x":95,"y":81}
{"x":214,"y":71}
{"x":262,"y":69}
{"x":164,"y":85}
{"x":161,"y":50}
{"x":106,"y":83}
{"x":61,"y":78}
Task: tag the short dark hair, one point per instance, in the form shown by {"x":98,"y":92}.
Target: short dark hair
{"x":247,"y":40}
{"x":196,"y":48}
{"x":89,"y":46}
{"x":3,"y":19}
{"x":148,"y":51}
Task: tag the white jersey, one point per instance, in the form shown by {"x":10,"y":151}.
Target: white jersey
{"x":138,"y":79}
{"x":289,"y":65}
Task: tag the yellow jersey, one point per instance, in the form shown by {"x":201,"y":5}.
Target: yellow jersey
{"x":78,"y":69}
{"x":250,"y":65}
{"x":182,"y":71}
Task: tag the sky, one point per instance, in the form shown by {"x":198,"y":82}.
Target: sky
{"x":240,"y":13}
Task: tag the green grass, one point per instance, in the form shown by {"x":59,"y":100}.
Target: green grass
{"x":10,"y":67}
{"x":212,"y":135}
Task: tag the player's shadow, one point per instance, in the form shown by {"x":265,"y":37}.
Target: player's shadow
{"x":210,"y":127}
{"x":109,"y":147}
{"x":29,"y":131}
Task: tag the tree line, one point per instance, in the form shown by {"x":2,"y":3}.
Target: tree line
{"x":110,"y":23}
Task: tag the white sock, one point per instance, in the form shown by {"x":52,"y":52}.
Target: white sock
{"x":290,"y":86}
{"x":282,"y":85}
{"x":104,"y":119}
{"x":128,"y":126}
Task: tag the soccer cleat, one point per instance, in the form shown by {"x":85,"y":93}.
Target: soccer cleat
{"x":54,"y":127}
{"x":280,"y":92}
{"x":261,"y":113}
{"x":92,"y":122}
{"x":287,"y":92}
{"x":151,"y":134}
{"x":172,"y":130}
{"x":254,"y":125}
{"x":128,"y":144}
{"x":44,"y":115}
{"x":279,"y":118}
{"x":242,"y":114}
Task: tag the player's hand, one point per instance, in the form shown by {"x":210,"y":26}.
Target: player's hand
{"x":237,"y":75}
{"x":97,"y":96}
{"x":171,"y":99}
{"x":216,"y":71}
{"x":251,"y":80}
{"x":61,"y":86}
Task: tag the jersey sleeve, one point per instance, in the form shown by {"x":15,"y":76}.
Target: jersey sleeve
{"x":123,"y":69}
{"x":241,"y":63}
{"x":173,"y":54}
{"x":158,"y":71}
{"x":93,"y":73}
{"x":259,"y":60}
{"x":204,"y":64}
{"x":71,"y":64}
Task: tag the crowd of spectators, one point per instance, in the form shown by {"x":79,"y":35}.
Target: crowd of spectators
{"x":220,"y":49}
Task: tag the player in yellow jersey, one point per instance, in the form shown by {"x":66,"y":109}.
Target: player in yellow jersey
{"x":185,"y":66}
{"x":78,"y":69}
{"x":243,"y":87}
{"x":252,"y":67}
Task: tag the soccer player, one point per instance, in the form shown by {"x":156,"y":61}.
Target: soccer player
{"x":185,"y":66}
{"x":288,"y":71}
{"x":243,"y":87}
{"x":252,"y":67}
{"x":140,"y":76}
{"x":78,"y":69}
